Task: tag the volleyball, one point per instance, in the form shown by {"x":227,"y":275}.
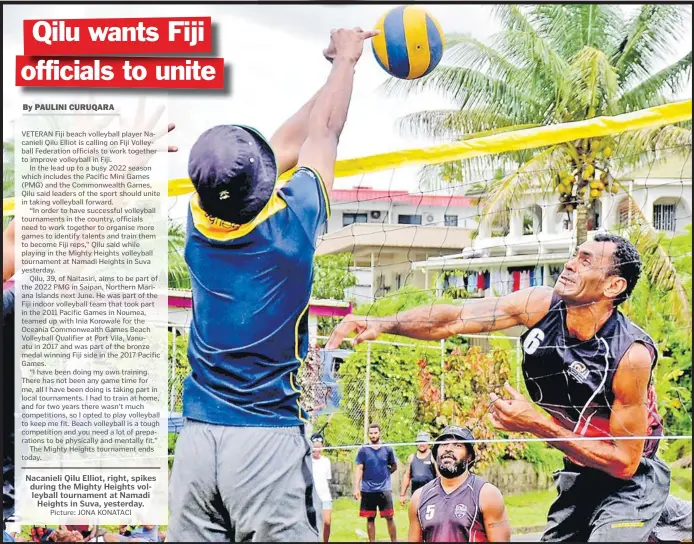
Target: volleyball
{"x":410,"y":43}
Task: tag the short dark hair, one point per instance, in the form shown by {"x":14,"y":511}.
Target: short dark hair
{"x":626,"y":262}
{"x":375,"y":426}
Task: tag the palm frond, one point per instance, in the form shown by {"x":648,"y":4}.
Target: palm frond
{"x":594,"y":83}
{"x":658,"y":267}
{"x":466,"y":51}
{"x":469,"y":89}
{"x":460,"y":127}
{"x":458,"y":124}
{"x":649,"y":92}
{"x":651,"y":145}
{"x":526,"y":47}
{"x":571,"y":27}
{"x":649,"y":37}
{"x":507,"y":191}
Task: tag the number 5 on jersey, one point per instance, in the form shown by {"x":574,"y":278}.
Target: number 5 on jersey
{"x":429,"y":513}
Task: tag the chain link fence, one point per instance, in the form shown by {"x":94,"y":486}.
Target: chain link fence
{"x":404,"y":387}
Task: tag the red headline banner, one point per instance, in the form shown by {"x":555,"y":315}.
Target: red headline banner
{"x":91,"y":37}
{"x":121,"y":72}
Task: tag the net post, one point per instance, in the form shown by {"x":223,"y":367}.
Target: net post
{"x":366,"y":394}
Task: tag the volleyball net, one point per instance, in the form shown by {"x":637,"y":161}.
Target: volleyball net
{"x":451,"y":233}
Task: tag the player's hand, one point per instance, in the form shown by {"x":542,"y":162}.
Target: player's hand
{"x":357,"y":495}
{"x":349,"y":44}
{"x":330,"y":51}
{"x":516,"y":414}
{"x":138,"y":123}
{"x":367,"y":328}
{"x":403,"y":500}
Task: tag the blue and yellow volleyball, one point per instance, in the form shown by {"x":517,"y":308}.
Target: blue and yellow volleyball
{"x":410,"y":43}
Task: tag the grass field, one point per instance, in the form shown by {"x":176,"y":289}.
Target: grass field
{"x":525,"y":510}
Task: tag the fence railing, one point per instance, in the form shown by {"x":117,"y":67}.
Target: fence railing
{"x":352,"y":401}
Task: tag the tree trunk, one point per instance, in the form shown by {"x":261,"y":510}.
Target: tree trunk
{"x":581,"y":222}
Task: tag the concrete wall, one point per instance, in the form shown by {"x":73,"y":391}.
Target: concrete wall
{"x":511,"y":477}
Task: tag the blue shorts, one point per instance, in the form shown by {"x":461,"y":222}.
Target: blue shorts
{"x":6,"y":537}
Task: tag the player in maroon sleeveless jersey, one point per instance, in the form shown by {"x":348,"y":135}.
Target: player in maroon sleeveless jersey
{"x":458,"y":506}
{"x":590,"y":368}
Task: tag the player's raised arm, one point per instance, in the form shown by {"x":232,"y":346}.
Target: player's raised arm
{"x":290,"y":137}
{"x":329,"y":113}
{"x":440,"y":321}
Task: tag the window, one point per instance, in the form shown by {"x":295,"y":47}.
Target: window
{"x":349,"y":218}
{"x":398,"y":281}
{"x":410,"y":219}
{"x":450,"y":220}
{"x":664,"y":217}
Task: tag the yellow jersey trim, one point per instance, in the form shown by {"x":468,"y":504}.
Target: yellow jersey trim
{"x":223,"y":231}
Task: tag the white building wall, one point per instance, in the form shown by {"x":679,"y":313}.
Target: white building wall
{"x":431,"y":215}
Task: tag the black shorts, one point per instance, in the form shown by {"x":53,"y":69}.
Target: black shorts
{"x":592,"y":506}
{"x":372,"y":502}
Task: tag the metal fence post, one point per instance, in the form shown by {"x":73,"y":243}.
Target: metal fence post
{"x":366,"y":394}
{"x":443,"y":382}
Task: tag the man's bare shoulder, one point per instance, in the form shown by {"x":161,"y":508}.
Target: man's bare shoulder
{"x":531,"y":304}
{"x":491,"y":497}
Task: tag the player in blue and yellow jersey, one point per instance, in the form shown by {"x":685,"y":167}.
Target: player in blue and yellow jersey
{"x":242,"y":468}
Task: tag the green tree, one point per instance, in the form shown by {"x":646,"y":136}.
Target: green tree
{"x":650,"y":306}
{"x":332,"y":275}
{"x":556,"y":64}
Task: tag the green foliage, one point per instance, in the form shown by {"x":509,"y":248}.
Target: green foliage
{"x":405,"y":384}
{"x":672,"y":451}
{"x":182,"y":365}
{"x":332,"y":276}
{"x":393,"y":390}
{"x":554,"y":64}
{"x":470,"y":374}
{"x":651,"y":307}
{"x":405,"y":298}
{"x":172,"y":438}
{"x":542,"y":457}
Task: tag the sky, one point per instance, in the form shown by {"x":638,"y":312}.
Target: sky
{"x":275,"y":54}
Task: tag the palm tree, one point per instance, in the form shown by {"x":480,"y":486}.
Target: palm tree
{"x":556,"y":64}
